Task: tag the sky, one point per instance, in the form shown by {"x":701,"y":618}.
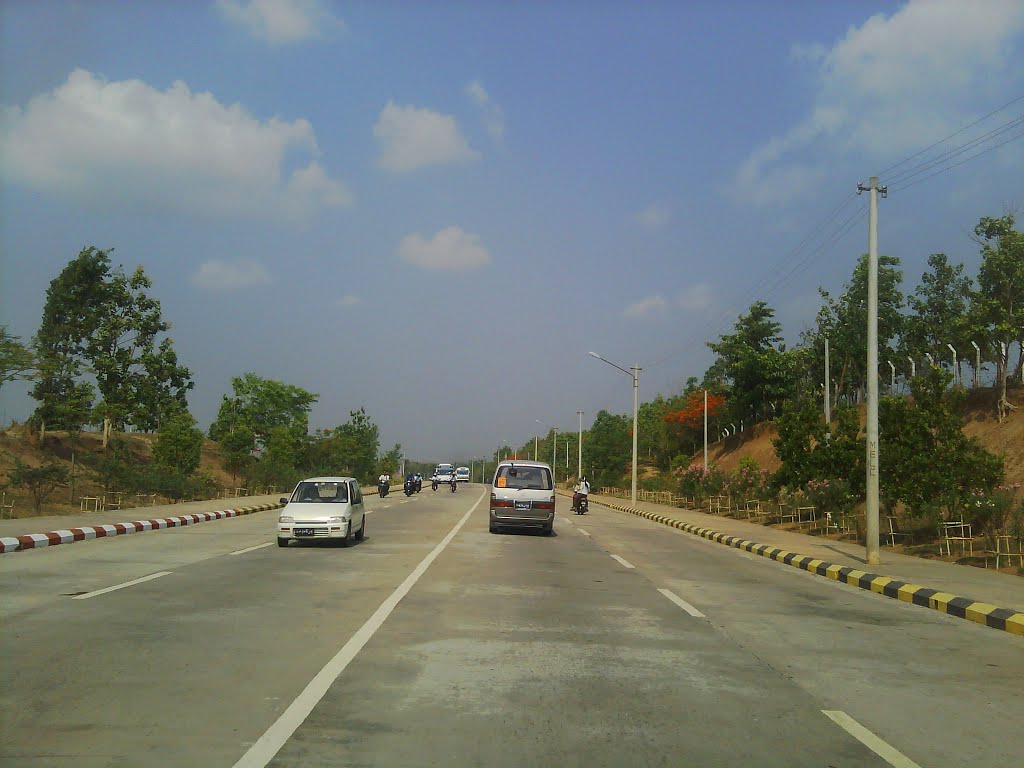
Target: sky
{"x":434,"y":211}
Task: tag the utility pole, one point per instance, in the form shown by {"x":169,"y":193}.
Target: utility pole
{"x":705,"y":431}
{"x":828,"y":392}
{"x":579,"y":452}
{"x":871,"y":511}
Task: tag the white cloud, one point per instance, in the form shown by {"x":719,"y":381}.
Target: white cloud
{"x":493,"y":115}
{"x":348,"y":300}
{"x":654,"y":216}
{"x":281,"y":21}
{"x":696,"y":298}
{"x":226,"y":276}
{"x":450,"y":249}
{"x":889,"y":87}
{"x":127,"y":143}
{"x":411,"y":138}
{"x":646,"y":306}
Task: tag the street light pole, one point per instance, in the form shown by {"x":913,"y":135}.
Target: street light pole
{"x":705,"y":431}
{"x":579,"y":452}
{"x":633,"y":372}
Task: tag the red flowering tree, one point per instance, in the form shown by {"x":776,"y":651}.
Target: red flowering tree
{"x":692,"y":415}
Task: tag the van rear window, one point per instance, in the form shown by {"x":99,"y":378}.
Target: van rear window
{"x":524,"y":478}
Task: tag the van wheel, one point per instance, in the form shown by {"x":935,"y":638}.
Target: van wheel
{"x":493,"y":528}
{"x":549,"y":530}
{"x":282,"y":542}
{"x":362,"y":530}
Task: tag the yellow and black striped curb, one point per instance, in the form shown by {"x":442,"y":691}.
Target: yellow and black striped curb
{"x":1005,"y":619}
{"x":72,"y":535}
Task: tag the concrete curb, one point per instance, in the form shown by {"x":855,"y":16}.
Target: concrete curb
{"x":992,"y":616}
{"x":72,"y":535}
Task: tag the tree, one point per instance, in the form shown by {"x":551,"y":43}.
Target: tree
{"x":261,"y":405}
{"x":608,"y":449}
{"x":358,"y":441}
{"x":139,"y":382}
{"x":98,"y":320}
{"x":928,"y":463}
{"x":390,"y":462}
{"x":40,"y":481}
{"x":238,"y":452}
{"x":844,"y":322}
{"x":755,"y":364}
{"x":179,"y":443}
{"x":1000,"y":296}
{"x":16,"y":360}
{"x":940,"y":309}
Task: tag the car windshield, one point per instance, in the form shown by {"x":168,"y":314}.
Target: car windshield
{"x":524,"y":478}
{"x":320,"y":492}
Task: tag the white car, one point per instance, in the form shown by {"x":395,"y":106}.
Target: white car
{"x":323,"y":509}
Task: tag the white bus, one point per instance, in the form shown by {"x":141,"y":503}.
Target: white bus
{"x":462,"y":474}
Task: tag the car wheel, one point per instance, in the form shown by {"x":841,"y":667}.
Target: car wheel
{"x":349,"y":537}
{"x":362,"y":530}
{"x":549,"y":530}
{"x":282,"y":542}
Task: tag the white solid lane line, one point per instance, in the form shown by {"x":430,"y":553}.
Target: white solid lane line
{"x":131,"y":583}
{"x":682,"y":603}
{"x":891,"y":755}
{"x":625,"y":563}
{"x":268,"y":745}
{"x":250,"y":549}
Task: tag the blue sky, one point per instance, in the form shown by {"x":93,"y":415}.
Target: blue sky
{"x":435,"y":210}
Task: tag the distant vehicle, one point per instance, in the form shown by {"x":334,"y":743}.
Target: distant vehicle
{"x":444,"y":473}
{"x":323,"y":509}
{"x":522,"y":496}
{"x":462,"y":474}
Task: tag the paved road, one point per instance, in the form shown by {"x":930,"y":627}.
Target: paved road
{"x":434,"y":642}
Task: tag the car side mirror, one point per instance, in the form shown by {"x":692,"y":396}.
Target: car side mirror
{"x":283,"y":500}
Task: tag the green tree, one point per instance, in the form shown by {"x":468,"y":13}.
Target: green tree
{"x":755,"y":365}
{"x":238,"y":452}
{"x":97,"y":320}
{"x":927,"y":462}
{"x":16,"y":360}
{"x":179,"y":443}
{"x":844,"y":322}
{"x":278,"y":464}
{"x":1000,"y":297}
{"x":40,"y":482}
{"x":390,"y":462}
{"x":358,"y":442}
{"x":941,"y":310}
{"x":608,"y":449}
{"x":262,"y":405}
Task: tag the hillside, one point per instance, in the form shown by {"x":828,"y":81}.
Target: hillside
{"x":979,"y":413}
{"x":17,"y":442}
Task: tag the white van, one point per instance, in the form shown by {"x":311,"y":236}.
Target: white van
{"x":462,"y":474}
{"x":523,"y":496}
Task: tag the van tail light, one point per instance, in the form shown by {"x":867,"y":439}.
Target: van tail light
{"x":544,"y":504}
{"x":496,"y":502}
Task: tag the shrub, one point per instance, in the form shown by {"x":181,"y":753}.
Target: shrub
{"x":830,"y":495}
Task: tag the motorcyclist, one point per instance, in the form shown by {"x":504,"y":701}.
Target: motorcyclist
{"x":454,"y":483}
{"x":382,"y":484}
{"x":581,"y":491}
{"x":433,"y":481}
{"x":419,"y":482}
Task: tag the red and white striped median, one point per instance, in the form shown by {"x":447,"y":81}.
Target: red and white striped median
{"x":71,"y":535}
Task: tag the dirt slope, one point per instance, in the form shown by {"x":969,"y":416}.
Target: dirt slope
{"x":980,"y":422}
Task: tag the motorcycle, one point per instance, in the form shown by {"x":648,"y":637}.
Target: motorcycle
{"x":410,"y":487}
{"x":382,"y":488}
{"x":433,"y":484}
{"x":581,"y":505}
{"x":454,"y":484}
{"x":419,"y":484}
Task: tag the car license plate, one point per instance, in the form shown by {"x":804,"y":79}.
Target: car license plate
{"x":304,"y":531}
{"x":524,"y":504}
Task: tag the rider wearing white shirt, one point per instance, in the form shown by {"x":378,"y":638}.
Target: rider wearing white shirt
{"x":582,"y":489}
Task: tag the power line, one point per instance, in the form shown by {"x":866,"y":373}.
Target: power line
{"x":982,"y":119}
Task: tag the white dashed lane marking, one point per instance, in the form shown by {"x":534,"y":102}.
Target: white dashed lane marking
{"x":625,"y":563}
{"x":682,"y":603}
{"x":250,"y":549}
{"x":891,"y":755}
{"x":131,"y":583}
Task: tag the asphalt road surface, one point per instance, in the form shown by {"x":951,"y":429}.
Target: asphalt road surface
{"x":616,"y":642}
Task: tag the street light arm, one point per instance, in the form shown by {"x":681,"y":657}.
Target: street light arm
{"x":613,"y":365}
